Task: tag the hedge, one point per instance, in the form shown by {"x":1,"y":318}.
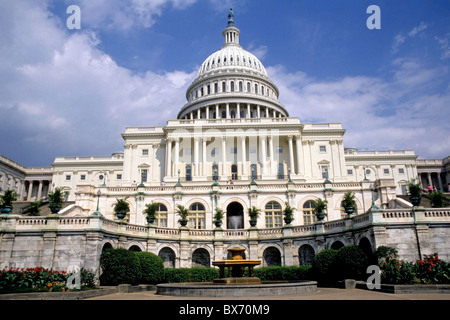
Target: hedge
{"x":350,"y":262}
{"x":152,"y":267}
{"x":280,"y":273}
{"x":200,"y":274}
{"x":119,"y":266}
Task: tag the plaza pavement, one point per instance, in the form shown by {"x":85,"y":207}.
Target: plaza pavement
{"x":321,"y":294}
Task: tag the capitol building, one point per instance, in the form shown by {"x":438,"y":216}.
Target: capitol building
{"x":233,"y":146}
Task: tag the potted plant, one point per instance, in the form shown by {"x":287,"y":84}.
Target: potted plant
{"x":320,"y":206}
{"x":7,"y":199}
{"x":415,"y":192}
{"x":288,"y":213}
{"x":121,"y":208}
{"x":253,"y":213}
{"x":34,"y":208}
{"x":218,"y":216}
{"x":150,"y":212}
{"x":183,"y":213}
{"x":56,"y":200}
{"x":349,"y":203}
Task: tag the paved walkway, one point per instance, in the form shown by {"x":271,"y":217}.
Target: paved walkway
{"x":321,"y":294}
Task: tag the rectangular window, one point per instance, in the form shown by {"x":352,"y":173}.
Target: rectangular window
{"x":145,"y":152}
{"x":401,"y":170}
{"x":386,"y":171}
{"x":279,"y":149}
{"x":119,"y":176}
{"x":144,"y":173}
{"x":349,"y":171}
{"x":233,"y":150}
{"x":68,"y":177}
{"x":322,"y":148}
{"x":324,"y":172}
{"x":83,"y":177}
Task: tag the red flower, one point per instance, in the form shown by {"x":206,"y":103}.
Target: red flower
{"x":421,"y":262}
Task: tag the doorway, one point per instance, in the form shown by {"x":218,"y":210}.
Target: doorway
{"x":235,"y":216}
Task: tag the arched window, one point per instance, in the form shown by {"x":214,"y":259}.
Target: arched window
{"x":308,"y":212}
{"x":216,"y":87}
{"x":240,"y":86}
{"x":224,"y":86}
{"x":161,"y":215}
{"x":256,"y":88}
{"x":232,"y":86}
{"x":273,"y":214}
{"x":248,"y":87}
{"x":197,"y":216}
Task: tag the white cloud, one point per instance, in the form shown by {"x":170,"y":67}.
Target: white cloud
{"x":395,"y":111}
{"x":416,"y":30}
{"x":66,"y":96}
{"x":400,"y":39}
{"x":126,"y":14}
{"x":445,"y":46}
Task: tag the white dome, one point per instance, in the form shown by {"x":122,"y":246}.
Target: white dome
{"x":232,"y":57}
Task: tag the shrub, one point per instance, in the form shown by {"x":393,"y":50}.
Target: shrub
{"x":152,"y":267}
{"x":350,"y":262}
{"x":281,"y":273}
{"x":322,"y":265}
{"x":200,"y":274}
{"x":119,"y":266}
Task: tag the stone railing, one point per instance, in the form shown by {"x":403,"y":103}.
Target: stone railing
{"x":418,"y":215}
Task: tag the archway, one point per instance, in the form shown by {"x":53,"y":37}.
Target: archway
{"x":337,"y":245}
{"x":306,"y":254}
{"x":364,"y":245}
{"x":200,"y":258}
{"x":235,"y":216}
{"x":272,"y":257}
{"x":168,"y":257}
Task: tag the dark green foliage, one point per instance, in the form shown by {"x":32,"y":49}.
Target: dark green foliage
{"x":437,"y":199}
{"x":350,"y":262}
{"x":280,"y":273}
{"x":191,"y":274}
{"x":152,"y":267}
{"x":322,"y":266}
{"x":119,"y":266}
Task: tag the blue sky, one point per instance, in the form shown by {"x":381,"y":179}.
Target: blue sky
{"x":72,"y":92}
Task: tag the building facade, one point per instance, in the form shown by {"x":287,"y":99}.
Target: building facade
{"x":233,"y":146}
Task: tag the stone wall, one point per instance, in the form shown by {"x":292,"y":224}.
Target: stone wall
{"x":59,"y":242}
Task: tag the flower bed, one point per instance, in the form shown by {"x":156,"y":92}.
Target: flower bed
{"x":429,"y":270}
{"x":40,"y":279}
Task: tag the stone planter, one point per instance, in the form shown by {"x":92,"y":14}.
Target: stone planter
{"x":121,"y":215}
{"x":349,"y":283}
{"x":253,"y":223}
{"x":54,"y":209}
{"x":6,"y":209}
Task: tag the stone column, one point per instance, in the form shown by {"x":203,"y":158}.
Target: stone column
{"x":196,"y":162}
{"x":227,"y":109}
{"x":30,"y":190}
{"x":238,"y":111}
{"x":248,"y":110}
{"x":262,"y":140}
{"x":39,"y":194}
{"x":204,"y":156}
{"x":224,"y":157}
{"x":291,"y":156}
{"x":244,"y":158}
{"x":177,"y":155}
{"x":298,"y":146}
{"x":271,"y":171}
{"x":217,"y":112}
{"x":168,"y":157}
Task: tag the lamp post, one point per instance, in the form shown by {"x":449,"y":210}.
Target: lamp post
{"x":97,"y":212}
